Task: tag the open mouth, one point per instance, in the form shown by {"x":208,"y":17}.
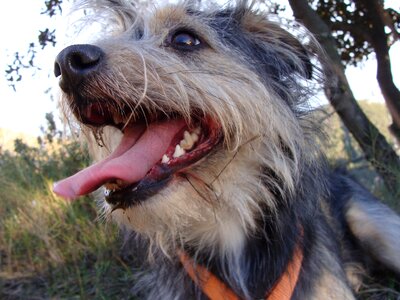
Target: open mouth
{"x":152,"y":151}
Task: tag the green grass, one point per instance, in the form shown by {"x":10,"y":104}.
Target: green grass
{"x":54,"y":249}
{"x":51,"y":248}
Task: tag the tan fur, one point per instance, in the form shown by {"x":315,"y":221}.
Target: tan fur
{"x":267,"y":149}
{"x":331,"y":288}
{"x":253,"y":123}
{"x":378,"y":229}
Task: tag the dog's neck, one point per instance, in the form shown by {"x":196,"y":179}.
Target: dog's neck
{"x":254,"y":271}
{"x":214,"y":288}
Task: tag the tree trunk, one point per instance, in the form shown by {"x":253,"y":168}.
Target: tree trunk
{"x":374,"y":145}
{"x":379,"y":42}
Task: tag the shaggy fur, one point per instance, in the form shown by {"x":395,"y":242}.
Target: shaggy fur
{"x":262,"y":189}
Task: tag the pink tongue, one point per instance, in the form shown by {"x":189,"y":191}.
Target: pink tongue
{"x":140,"y":149}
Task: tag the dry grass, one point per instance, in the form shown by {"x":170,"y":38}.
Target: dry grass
{"x":50,"y":248}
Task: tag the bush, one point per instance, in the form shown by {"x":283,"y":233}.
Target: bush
{"x":50,"y":247}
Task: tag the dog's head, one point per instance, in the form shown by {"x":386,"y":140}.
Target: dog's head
{"x":195,"y":115}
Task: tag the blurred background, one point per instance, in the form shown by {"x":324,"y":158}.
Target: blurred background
{"x":52,"y":249}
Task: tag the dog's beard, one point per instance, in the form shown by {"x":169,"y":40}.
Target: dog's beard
{"x":214,"y":204}
{"x":258,"y":132}
{"x":214,"y":201}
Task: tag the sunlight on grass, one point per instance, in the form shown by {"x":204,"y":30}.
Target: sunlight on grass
{"x":50,"y":247}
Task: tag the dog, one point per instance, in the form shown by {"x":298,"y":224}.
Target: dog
{"x":207,"y":156}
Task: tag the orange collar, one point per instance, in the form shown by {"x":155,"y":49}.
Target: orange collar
{"x":215,"y":289}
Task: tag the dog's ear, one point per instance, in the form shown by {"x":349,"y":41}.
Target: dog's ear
{"x":273,"y":45}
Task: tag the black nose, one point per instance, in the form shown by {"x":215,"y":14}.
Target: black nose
{"x":76,"y":62}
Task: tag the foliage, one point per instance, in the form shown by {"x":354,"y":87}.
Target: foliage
{"x":341,"y":146}
{"x":350,"y":21}
{"x":45,"y":37}
{"x":344,"y":152}
{"x":51,"y":248}
{"x":377,"y":150}
{"x":53,"y":158}
{"x":52,"y":7}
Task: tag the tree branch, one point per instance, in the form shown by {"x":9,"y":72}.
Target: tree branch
{"x":389,"y":22}
{"x":353,"y":30}
{"x":377,"y":150}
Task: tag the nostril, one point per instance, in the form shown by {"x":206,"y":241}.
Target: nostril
{"x":75,"y":63}
{"x":57,"y":69}
{"x":84,"y":60}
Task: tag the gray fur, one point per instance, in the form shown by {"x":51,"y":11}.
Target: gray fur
{"x":264,"y":189}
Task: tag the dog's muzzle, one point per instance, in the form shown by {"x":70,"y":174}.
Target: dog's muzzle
{"x":75,"y":63}
{"x":155,"y":147}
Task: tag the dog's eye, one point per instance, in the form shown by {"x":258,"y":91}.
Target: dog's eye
{"x":185,"y":41}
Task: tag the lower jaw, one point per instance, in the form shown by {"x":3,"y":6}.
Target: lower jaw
{"x":136,"y":193}
{"x":157,"y":179}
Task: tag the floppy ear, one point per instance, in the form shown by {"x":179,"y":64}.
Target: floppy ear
{"x":271,"y":40}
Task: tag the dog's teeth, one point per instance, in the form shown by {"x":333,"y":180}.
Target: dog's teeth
{"x":178,"y":151}
{"x":195,"y":137}
{"x":187,"y":136}
{"x":187,"y":142}
{"x":165,"y":159}
{"x":184,"y":145}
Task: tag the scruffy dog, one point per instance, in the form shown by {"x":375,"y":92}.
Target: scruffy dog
{"x":197,"y":119}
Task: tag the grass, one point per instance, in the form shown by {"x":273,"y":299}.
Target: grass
{"x":51,"y":248}
{"x":54,"y":249}
{"x":342,"y":150}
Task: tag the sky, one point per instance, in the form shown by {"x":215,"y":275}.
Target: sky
{"x":24,"y":110}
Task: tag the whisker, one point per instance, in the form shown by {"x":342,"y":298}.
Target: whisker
{"x":138,"y":103}
{"x":196,"y":190}
{"x":234,"y":156}
{"x":225,"y":166}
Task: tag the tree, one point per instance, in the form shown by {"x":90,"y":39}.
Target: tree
{"x":362,"y":27}
{"x":377,"y":150}
{"x":45,"y":37}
